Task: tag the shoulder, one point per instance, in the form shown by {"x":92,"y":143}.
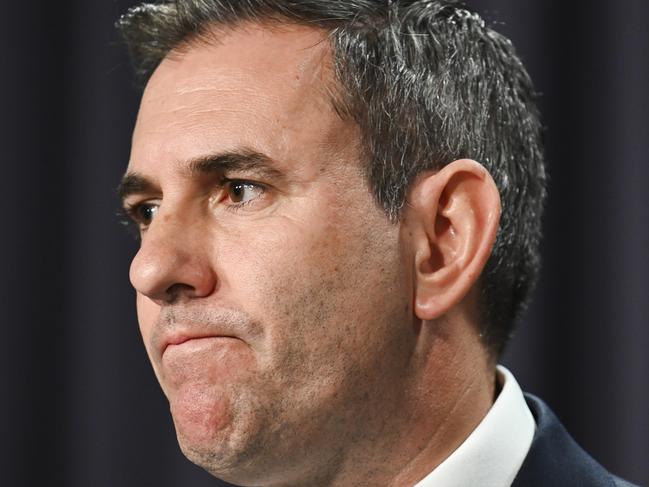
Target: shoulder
{"x":622,"y":483}
{"x":556,"y":459}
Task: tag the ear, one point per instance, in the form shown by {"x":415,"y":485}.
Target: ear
{"x":453,"y":216}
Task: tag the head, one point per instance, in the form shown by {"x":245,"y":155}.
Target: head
{"x":317,"y":236}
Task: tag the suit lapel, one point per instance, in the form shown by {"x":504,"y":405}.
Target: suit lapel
{"x":554,"y":458}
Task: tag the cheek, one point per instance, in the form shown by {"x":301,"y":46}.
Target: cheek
{"x":283,"y":256}
{"x":257,"y":258}
{"x":313,"y":283}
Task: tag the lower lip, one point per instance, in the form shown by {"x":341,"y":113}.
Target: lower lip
{"x":199,"y":342}
{"x":205,"y":360}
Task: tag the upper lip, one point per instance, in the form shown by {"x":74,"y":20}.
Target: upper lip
{"x":178,"y":337}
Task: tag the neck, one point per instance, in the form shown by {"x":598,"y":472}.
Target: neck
{"x":436,"y":432}
{"x":448,"y":393}
{"x":437,"y":401}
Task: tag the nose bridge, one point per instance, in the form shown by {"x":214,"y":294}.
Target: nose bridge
{"x":172,"y":259}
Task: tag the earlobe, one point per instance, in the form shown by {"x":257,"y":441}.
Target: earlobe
{"x":457,"y":212}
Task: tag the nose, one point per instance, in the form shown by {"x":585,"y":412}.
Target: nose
{"x":171,"y":263}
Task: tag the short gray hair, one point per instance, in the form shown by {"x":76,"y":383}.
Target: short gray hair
{"x":427,"y":82}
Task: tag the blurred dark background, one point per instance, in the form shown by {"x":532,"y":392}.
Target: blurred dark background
{"x":80,"y":405}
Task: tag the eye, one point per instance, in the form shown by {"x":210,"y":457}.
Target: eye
{"x":240,"y":193}
{"x":146,"y":213}
{"x":143,"y":213}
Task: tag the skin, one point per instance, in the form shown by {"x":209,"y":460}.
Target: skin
{"x":301,"y":338}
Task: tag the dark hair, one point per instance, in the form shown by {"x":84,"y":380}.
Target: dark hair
{"x":428,"y":83}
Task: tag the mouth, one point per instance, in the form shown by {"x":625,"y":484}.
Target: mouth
{"x":187,"y":340}
{"x":183,"y":329}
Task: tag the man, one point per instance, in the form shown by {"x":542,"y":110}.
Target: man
{"x":339,"y":207}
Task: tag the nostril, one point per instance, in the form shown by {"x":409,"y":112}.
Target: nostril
{"x":177,"y":291}
{"x":172,"y":264}
{"x":168,"y":278}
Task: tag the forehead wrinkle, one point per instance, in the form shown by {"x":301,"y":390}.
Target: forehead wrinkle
{"x":207,"y":79}
{"x":306,"y":82}
{"x":218,"y":99}
{"x":309,"y":65}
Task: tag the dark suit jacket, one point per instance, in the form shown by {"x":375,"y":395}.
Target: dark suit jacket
{"x":555,"y":459}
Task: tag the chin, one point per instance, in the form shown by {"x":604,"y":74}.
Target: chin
{"x":205,"y":439}
{"x":212,"y":436}
{"x":202,"y":416}
{"x":228,"y":453}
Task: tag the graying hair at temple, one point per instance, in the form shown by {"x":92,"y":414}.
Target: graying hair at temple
{"x":427,"y":82}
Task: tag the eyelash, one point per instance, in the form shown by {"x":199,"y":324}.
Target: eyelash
{"x":134,"y":222}
{"x":227,"y":184}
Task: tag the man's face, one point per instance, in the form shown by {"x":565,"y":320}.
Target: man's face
{"x":273,"y":294}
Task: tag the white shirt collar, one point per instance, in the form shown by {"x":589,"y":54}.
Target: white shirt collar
{"x":493,"y":453}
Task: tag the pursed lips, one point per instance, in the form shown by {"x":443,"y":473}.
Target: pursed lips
{"x":181,"y":338}
{"x":177,"y":326}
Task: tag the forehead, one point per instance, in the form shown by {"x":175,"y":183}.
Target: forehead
{"x":263,"y":87}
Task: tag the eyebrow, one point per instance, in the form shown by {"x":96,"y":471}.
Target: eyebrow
{"x":246,"y":160}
